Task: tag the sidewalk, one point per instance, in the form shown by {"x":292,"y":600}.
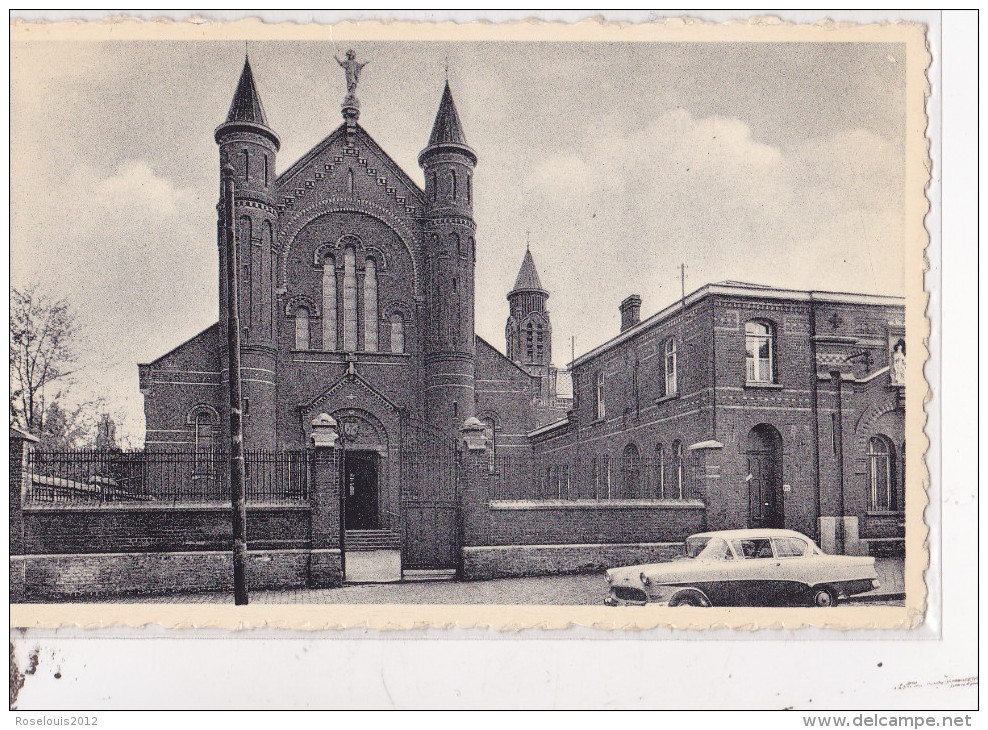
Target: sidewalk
{"x":891,"y":575}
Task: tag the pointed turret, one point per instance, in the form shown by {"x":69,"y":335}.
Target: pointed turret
{"x":246,"y":106}
{"x":528,"y":276}
{"x":246,"y":111}
{"x":447,"y":127}
{"x":447,"y":131}
{"x":450,"y":338}
{"x":248,"y":156}
{"x":528,"y":333}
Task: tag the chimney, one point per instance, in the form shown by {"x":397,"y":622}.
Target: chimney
{"x":631,"y":311}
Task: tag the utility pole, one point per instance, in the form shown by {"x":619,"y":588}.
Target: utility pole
{"x":237,"y":469}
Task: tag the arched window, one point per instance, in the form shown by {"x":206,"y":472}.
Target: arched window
{"x":631,"y":468}
{"x":246,"y":156}
{"x":435,"y":186}
{"x":302,"y":328}
{"x":370,"y":305}
{"x":660,"y":472}
{"x":881,"y":475}
{"x":329,"y":303}
{"x":350,"y":182}
{"x":490,"y":431}
{"x":204,"y":442}
{"x":671,"y":364}
{"x":452,"y":184}
{"x":530,"y":341}
{"x":245,"y":259}
{"x":759,"y":341}
{"x":678,"y":471}
{"x":267,"y":249}
{"x":397,"y":332}
{"x":266,"y":170}
{"x":349,"y":299}
{"x":470,"y":188}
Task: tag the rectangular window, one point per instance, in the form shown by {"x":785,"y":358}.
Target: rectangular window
{"x":670,"y":367}
{"x":599,"y":400}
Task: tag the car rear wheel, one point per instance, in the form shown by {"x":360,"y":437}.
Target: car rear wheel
{"x":823,"y":597}
{"x":690,"y":598}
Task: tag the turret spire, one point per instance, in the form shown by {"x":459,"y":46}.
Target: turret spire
{"x":447,"y":128}
{"x":528,"y":276}
{"x":246,"y":106}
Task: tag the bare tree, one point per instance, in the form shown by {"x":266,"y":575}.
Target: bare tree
{"x":41,"y":353}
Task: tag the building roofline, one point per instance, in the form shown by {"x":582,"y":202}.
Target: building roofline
{"x":548,"y":427}
{"x":738,"y":289}
{"x":179,"y":346}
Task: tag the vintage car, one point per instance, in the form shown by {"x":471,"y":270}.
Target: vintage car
{"x":745,"y":568}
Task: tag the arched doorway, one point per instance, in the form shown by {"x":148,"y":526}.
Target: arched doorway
{"x":631,"y":468}
{"x":764,"y":454}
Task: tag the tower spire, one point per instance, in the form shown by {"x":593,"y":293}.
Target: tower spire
{"x":528,"y":276}
{"x":246,"y":111}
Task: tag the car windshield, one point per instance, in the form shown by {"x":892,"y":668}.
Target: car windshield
{"x":714,"y":549}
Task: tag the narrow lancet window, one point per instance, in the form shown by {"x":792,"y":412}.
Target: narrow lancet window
{"x":329,"y":303}
{"x":370,"y":306}
{"x":349,"y":300}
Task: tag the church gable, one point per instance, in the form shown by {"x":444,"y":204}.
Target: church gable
{"x":351,"y":166}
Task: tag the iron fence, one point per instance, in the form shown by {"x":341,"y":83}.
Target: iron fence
{"x":593,"y":477}
{"x":97,"y":477}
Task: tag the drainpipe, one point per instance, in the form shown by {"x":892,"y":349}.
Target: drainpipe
{"x":816,"y":419}
{"x":839,"y":438}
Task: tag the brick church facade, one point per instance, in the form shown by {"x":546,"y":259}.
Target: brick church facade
{"x":356,"y":291}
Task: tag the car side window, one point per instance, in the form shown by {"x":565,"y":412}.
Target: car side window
{"x":790,"y":547}
{"x":753,"y":549}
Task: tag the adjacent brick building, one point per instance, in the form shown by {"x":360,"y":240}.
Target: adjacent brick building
{"x":770,"y":407}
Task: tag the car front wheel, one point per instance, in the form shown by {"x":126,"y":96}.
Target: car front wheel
{"x":823,"y":597}
{"x":690,"y":598}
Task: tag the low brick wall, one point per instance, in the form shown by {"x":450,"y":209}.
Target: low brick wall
{"x":509,"y":561}
{"x":73,"y":551}
{"x":126,"y":528}
{"x":76,"y":576}
{"x":594,"y":522}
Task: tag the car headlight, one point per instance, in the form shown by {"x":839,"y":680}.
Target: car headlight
{"x":608,"y":577}
{"x":644,"y":579}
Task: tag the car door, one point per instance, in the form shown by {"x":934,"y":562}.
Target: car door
{"x":795,"y":568}
{"x":756,"y":572}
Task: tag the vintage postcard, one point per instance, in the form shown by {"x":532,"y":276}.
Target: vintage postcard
{"x":488,"y":325}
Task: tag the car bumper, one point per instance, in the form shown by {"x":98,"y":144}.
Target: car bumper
{"x":626,"y":596}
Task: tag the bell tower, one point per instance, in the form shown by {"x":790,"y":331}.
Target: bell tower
{"x":528,"y":332}
{"x":248,"y":149}
{"x":450,"y":255}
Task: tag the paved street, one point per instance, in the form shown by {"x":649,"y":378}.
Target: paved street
{"x":566,"y":590}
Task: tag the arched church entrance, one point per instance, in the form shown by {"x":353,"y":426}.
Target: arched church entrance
{"x":764,"y":453}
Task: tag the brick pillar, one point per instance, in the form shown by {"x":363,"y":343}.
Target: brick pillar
{"x":475,"y":479}
{"x":325,"y":555}
{"x":20,"y":444}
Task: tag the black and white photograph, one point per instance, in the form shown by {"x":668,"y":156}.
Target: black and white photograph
{"x":617,"y":324}
{"x":359,"y":334}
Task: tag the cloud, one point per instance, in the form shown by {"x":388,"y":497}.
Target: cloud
{"x":620,"y":211}
{"x":132,"y":252}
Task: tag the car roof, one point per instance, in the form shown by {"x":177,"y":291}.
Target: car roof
{"x":750,"y":533}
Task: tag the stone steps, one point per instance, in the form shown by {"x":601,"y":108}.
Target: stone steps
{"x":367,"y":540}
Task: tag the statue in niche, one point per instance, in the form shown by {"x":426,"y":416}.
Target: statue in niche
{"x":899,"y":363}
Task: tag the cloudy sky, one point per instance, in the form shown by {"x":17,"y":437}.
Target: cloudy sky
{"x":779,"y":164}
